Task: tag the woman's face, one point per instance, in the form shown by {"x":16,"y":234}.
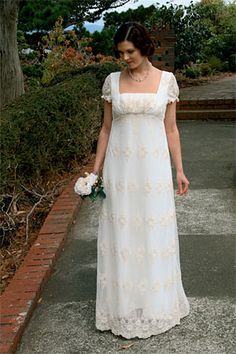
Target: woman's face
{"x":130,"y":54}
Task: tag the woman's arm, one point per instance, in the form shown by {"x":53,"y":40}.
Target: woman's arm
{"x":173,"y":139}
{"x":103,"y":138}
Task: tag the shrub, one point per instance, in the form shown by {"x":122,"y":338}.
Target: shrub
{"x":192,"y":72}
{"x":205,"y":69}
{"x":215,"y":63}
{"x":33,"y":70}
{"x":99,"y":70}
{"x":68,"y":55}
{"x":49,"y":130}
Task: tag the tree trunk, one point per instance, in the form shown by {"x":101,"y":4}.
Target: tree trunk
{"x":12,"y":82}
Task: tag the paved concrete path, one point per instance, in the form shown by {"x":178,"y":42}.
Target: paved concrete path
{"x":220,"y":89}
{"x":64,"y":322}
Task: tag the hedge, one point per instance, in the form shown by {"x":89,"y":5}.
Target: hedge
{"x":98,"y":69}
{"x":53,"y":128}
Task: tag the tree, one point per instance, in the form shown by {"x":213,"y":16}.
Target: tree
{"x":102,"y":42}
{"x":222,"y":25}
{"x":41,"y":15}
{"x":141,"y":14}
{"x":12,"y":83}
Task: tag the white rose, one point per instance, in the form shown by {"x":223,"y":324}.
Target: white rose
{"x":83,"y":186}
{"x":92,"y":178}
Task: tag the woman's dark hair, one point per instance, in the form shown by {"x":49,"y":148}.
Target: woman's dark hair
{"x":138,"y":35}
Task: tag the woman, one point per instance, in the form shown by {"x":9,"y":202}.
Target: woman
{"x":139,"y":285}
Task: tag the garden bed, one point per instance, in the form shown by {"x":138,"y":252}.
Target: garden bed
{"x":13,"y":254}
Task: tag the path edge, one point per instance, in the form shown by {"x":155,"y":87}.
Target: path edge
{"x":21,"y":296}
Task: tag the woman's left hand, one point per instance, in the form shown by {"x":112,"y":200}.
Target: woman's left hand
{"x":183,"y":183}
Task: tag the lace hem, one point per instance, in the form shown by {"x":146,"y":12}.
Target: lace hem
{"x":141,"y":328}
{"x":171,"y":100}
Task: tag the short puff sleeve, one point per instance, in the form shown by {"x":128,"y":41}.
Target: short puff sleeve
{"x":173,"y":90}
{"x":106,"y":89}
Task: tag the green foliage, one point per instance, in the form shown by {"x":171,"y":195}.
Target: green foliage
{"x":141,"y":14}
{"x":102,"y":70}
{"x":99,"y":70}
{"x":232,"y":62}
{"x":190,"y":29}
{"x":205,"y":69}
{"x":32,"y":70}
{"x":81,"y":31}
{"x":68,"y":55}
{"x":102,"y":42}
{"x":203,"y":29}
{"x":49,"y":130}
{"x":21,"y":41}
{"x":41,"y":15}
{"x":222,"y":24}
{"x":52,"y":128}
{"x":192,"y":72}
{"x":215,"y":64}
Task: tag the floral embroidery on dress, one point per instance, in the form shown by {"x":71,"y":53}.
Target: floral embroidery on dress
{"x":137,"y":220}
{"x":122,"y":219}
{"x":156,"y":152}
{"x":127,"y":152}
{"x":139,"y":284}
{"x":167,"y":218}
{"x":119,"y":186}
{"x":140,"y":253}
{"x":116,"y":151}
{"x":148,"y":187}
{"x":165,"y":154}
{"x":151,"y":221}
{"x":142,"y":151}
{"x":102,"y":280}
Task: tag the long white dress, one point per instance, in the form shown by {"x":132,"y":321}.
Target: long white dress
{"x":139,"y":284}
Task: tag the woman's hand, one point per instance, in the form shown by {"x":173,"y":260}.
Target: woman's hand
{"x":183,"y":183}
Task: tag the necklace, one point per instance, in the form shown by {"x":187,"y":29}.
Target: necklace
{"x":139,"y":79}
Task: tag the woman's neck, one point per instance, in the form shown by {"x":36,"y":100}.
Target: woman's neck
{"x":142,"y":68}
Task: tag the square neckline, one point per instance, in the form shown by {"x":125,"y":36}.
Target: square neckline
{"x":139,"y":93}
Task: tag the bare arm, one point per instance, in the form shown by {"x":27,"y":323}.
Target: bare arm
{"x":103,"y":137}
{"x":173,"y":139}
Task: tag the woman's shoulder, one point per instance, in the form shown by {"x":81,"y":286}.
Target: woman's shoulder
{"x":167,"y":73}
{"x":170,"y":74}
{"x":164,"y":74}
{"x":113,"y":74}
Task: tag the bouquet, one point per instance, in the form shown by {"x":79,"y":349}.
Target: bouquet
{"x":90,"y":186}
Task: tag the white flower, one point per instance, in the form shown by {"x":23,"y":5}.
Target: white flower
{"x":92,"y":178}
{"x":83,"y":185}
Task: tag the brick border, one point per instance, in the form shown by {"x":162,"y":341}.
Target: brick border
{"x":21,"y":296}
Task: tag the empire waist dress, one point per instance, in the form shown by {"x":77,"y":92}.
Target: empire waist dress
{"x":139,"y":284}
